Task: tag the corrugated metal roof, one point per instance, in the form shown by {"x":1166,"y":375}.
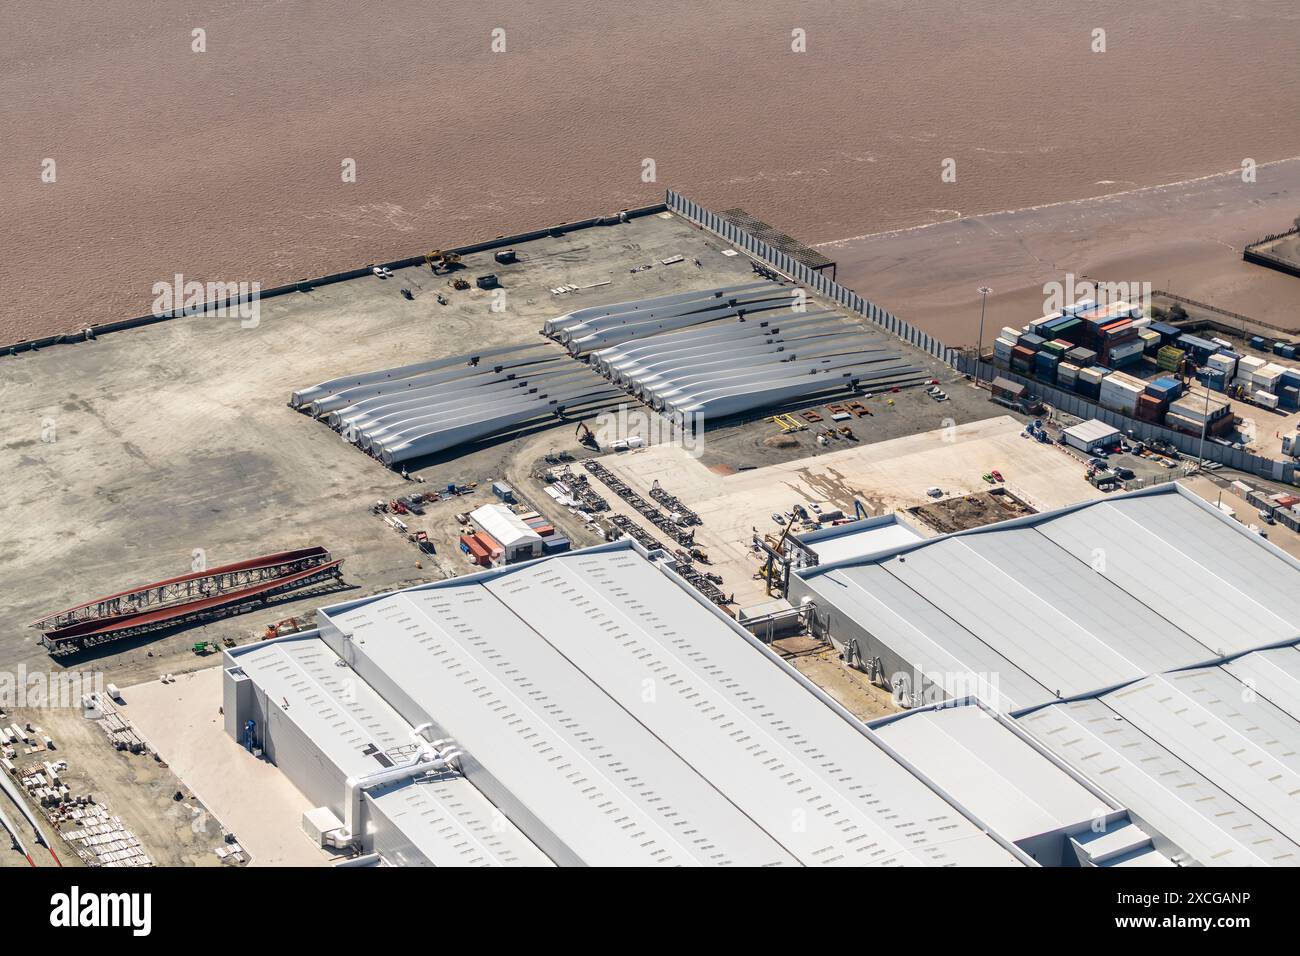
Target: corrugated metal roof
{"x":638,"y":726}
{"x":1072,"y":602}
{"x":1199,"y":755}
{"x":1009,"y":784}
{"x":510,"y":530}
{"x":444,"y":817}
{"x":1092,"y":431}
{"x":858,"y":539}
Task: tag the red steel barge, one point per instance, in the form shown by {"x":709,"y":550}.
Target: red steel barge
{"x":190,"y":598}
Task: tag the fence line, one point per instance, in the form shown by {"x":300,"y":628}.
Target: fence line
{"x":1070,"y":402}
{"x":1080,"y":407}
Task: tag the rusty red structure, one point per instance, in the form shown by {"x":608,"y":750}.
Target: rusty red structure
{"x":190,"y":598}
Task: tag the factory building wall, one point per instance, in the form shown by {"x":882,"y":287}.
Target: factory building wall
{"x":839,"y":628}
{"x":285,"y":745}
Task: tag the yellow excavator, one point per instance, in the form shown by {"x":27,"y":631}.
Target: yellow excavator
{"x":440,"y":260}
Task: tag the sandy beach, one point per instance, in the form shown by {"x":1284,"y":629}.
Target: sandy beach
{"x":1184,"y":238}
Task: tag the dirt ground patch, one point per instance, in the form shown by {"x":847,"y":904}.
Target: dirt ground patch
{"x":971,"y":511}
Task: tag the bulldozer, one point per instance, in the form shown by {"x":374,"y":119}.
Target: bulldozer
{"x":440,"y":260}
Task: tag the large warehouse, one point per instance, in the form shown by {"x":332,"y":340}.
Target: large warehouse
{"x":1061,"y":604}
{"x":1101,"y":631}
{"x":609,"y":713}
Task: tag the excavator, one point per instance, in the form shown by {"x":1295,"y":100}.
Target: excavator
{"x":440,"y":260}
{"x":586,"y":436}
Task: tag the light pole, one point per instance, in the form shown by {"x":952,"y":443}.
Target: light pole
{"x":979,"y":345}
{"x":1205,"y":426}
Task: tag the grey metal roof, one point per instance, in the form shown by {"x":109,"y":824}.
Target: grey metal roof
{"x":1075,"y":601}
{"x":1091,"y":431}
{"x":1199,"y":755}
{"x":639,"y":726}
{"x":982,"y":762}
{"x":449,"y":821}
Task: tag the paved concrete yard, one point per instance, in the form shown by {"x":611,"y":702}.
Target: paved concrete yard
{"x":182,"y":722}
{"x":888,"y":476}
{"x":177,"y":436}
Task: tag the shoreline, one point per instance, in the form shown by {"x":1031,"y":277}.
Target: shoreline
{"x":1084,"y":200}
{"x":1184,"y":237}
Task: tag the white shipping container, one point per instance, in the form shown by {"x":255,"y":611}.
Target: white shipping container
{"x":1266,"y":399}
{"x":1223,"y":363}
{"x":1250,"y":363}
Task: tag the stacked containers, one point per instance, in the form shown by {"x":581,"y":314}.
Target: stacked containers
{"x":1200,"y":349}
{"x":1165,"y":388}
{"x":1067,"y":375}
{"x":1150,"y":409}
{"x":1090,"y":380}
{"x":1022,"y":359}
{"x":1036,"y":324}
{"x":1247,"y":366}
{"x":1268,"y":378}
{"x":1224,"y":362}
{"x":1045,"y":366}
{"x":1169,"y":358}
{"x":1002,"y":349}
{"x":1151,"y":341}
{"x":1192,"y":413}
{"x":1126,"y":353}
{"x":1119,"y":392}
{"x":1082,"y":357}
{"x":1289,"y":390}
{"x":1168,"y":333}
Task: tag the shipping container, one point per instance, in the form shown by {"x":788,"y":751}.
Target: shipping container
{"x":1170,"y":359}
{"x":1150,"y":408}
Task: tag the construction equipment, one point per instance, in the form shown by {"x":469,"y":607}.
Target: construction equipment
{"x":458,"y":283}
{"x":203,"y":648}
{"x":440,"y":260}
{"x":787,"y":423}
{"x":586,"y":436}
{"x":421,"y":540}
